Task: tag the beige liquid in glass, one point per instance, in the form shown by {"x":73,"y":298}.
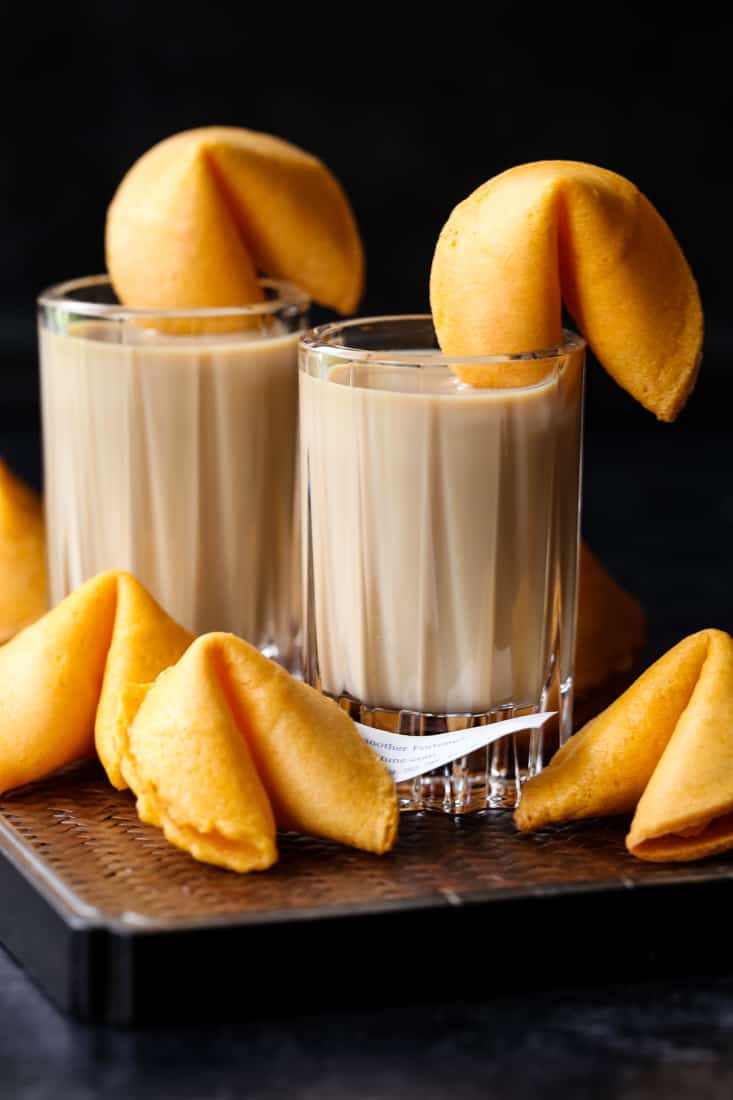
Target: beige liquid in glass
{"x":174,"y":459}
{"x":442,"y":521}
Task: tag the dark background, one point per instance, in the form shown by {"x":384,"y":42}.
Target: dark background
{"x":411,"y":114}
{"x":412,"y":111}
{"x":410,"y":120}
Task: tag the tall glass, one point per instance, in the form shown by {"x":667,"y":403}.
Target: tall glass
{"x":440,"y":546}
{"x":170,"y":451}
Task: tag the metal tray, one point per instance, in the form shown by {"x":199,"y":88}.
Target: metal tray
{"x":118,"y":926}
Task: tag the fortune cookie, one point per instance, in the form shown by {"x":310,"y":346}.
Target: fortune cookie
{"x":67,"y":669}
{"x":192,"y":771}
{"x":145,"y":640}
{"x":202,"y":212}
{"x":559,"y":231}
{"x":686,"y":810}
{"x":664,"y":748}
{"x":225,"y":734}
{"x":23,"y":596}
{"x":610,"y":637}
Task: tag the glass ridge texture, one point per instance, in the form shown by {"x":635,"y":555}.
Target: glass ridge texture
{"x":440,"y":544}
{"x":170,"y":451}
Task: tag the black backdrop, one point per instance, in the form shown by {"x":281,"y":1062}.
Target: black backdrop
{"x":410,"y":120}
{"x":411,"y":111}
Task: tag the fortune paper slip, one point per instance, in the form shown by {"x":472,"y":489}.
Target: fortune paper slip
{"x":226,"y":733}
{"x":560,"y":231}
{"x":67,"y":670}
{"x":22,"y":556}
{"x":199,"y":214}
{"x":664,"y":748}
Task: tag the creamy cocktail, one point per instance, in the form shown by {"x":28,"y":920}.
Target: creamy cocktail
{"x":441,"y":528}
{"x":172,"y":455}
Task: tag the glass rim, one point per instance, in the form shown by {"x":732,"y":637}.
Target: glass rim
{"x":315,"y":340}
{"x":287,"y":295}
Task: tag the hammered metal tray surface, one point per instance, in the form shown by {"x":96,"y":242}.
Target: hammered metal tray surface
{"x":96,"y":854}
{"x":79,"y":846}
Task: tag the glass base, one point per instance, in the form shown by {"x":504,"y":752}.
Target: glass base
{"x":490,"y":778}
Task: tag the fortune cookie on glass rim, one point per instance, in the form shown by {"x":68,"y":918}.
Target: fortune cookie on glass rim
{"x":202,"y":212}
{"x":227,"y":733}
{"x":23,"y":597}
{"x":561,"y":231}
{"x":664,"y":749}
{"x":66,"y":671}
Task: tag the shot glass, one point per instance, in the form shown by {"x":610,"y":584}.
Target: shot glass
{"x":440,"y":542}
{"x":170,"y":451}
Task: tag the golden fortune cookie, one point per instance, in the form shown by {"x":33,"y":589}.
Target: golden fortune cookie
{"x":67,"y":670}
{"x":664,"y":749}
{"x":23,"y":597}
{"x":192,"y":771}
{"x":551,"y":232}
{"x":686,"y":810}
{"x":201,"y":213}
{"x":226,"y":733}
{"x":610,"y":637}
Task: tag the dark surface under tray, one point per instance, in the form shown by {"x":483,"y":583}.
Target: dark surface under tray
{"x":116,"y":925}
